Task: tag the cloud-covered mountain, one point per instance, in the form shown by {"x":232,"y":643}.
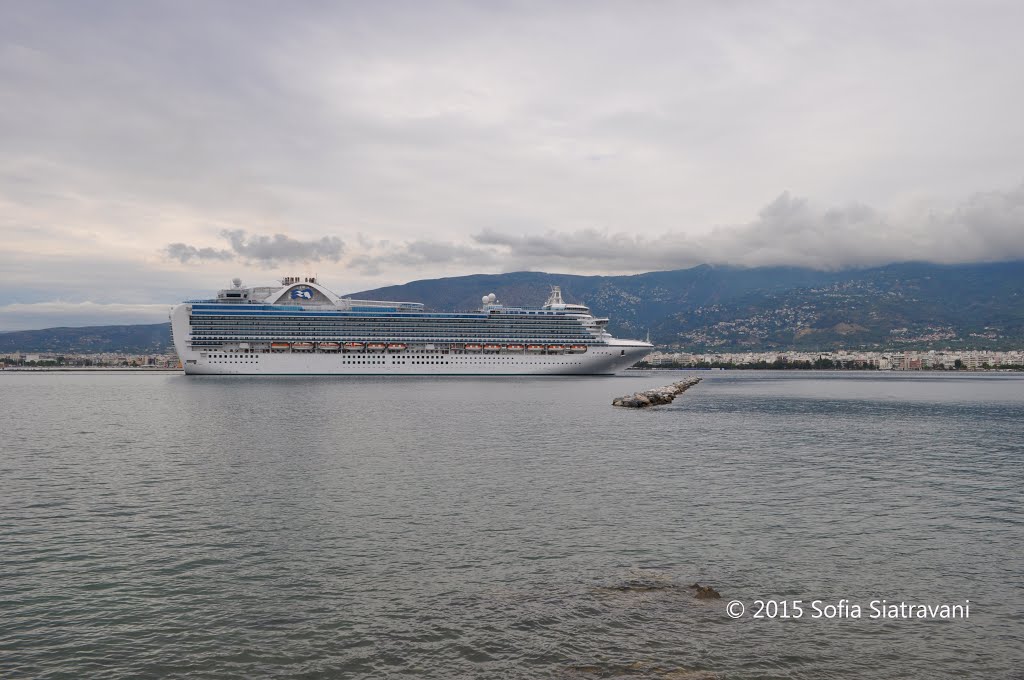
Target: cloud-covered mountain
{"x":708,"y":308}
{"x":788,"y":231}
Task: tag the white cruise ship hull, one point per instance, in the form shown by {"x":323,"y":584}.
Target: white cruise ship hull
{"x":331,"y":336}
{"x":607,"y":360}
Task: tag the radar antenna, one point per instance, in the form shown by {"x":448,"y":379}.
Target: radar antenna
{"x":556,"y":296}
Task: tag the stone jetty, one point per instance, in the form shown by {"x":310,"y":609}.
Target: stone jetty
{"x":657,"y":396}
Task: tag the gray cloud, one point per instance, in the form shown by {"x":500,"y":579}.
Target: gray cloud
{"x":261,"y":250}
{"x":614,"y":143}
{"x":987,"y":226}
{"x":421,"y":253}
{"x":788,"y":231}
{"x":282,"y":248}
{"x":187,"y":254}
{"x":984,"y":227}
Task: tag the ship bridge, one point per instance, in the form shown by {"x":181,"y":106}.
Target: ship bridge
{"x":305,"y":292}
{"x":556,"y":303}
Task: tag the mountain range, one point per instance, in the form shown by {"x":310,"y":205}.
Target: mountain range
{"x":908,"y":305}
{"x":766,"y":308}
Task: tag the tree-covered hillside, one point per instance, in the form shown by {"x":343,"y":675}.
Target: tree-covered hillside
{"x":911,"y":304}
{"x":723,"y":308}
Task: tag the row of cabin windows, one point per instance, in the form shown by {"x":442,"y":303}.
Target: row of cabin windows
{"x":504,"y":339}
{"x":394,"y":330}
{"x":394,"y":362}
{"x":281,"y":318}
{"x":400,"y":332}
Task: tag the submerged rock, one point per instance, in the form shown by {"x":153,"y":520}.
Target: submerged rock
{"x":657,"y":396}
{"x":705,"y":592}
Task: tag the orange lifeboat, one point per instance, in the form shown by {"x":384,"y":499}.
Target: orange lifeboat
{"x":472,"y":347}
{"x":579,"y":348}
{"x":302,"y":345}
{"x":376,"y":346}
{"x":515,"y":348}
{"x":396,"y":346}
{"x":535,"y":348}
{"x":492,"y":348}
{"x":328,"y":346}
{"x":279,"y":345}
{"x":353,"y":345}
{"x":555,"y":348}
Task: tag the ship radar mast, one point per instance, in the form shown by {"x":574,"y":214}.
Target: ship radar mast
{"x":556,"y":297}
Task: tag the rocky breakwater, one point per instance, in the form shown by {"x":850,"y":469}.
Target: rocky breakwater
{"x":657,"y":396}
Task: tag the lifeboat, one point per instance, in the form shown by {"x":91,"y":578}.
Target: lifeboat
{"x":535,"y":348}
{"x":328,"y":346}
{"x":579,"y":348}
{"x":515,"y":348}
{"x":472,"y":347}
{"x":396,"y":346}
{"x":302,"y":345}
{"x":376,"y":346}
{"x":353,"y":345}
{"x":279,"y":345}
{"x":492,"y":348}
{"x":555,"y":348}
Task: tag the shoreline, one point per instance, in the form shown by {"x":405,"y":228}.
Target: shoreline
{"x":828,"y":370}
{"x":89,"y":369}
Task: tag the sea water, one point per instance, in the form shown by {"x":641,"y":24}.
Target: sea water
{"x":214,"y":527}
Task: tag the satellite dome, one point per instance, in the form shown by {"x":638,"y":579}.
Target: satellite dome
{"x":485,"y":299}
{"x":236,"y":282}
{"x":492,"y":298}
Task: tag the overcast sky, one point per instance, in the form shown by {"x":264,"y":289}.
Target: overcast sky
{"x":151,"y":151}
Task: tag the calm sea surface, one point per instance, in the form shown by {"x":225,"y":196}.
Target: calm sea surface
{"x":159,"y":525}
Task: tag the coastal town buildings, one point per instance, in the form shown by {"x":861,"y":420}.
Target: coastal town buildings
{"x":86,"y":361}
{"x":902,"y":360}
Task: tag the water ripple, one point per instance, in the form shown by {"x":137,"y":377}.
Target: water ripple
{"x":505,"y":528}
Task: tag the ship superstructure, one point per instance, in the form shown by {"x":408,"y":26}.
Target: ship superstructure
{"x":301,"y":328}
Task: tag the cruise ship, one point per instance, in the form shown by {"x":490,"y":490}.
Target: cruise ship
{"x":301,"y":328}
